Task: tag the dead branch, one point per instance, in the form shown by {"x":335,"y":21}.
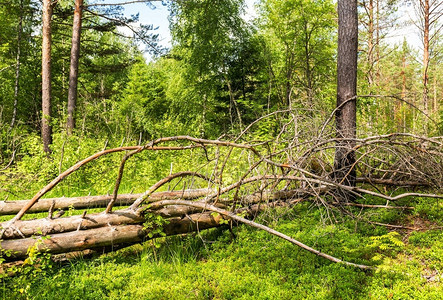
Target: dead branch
{"x":165,"y":180}
{"x":150,"y":146}
{"x":237,"y":218}
{"x":109,"y":235}
{"x":289,"y":172}
{"x":119,"y":178}
{"x":374,"y":206}
{"x":372,"y":180}
{"x":10,"y":161}
{"x":81,"y":163}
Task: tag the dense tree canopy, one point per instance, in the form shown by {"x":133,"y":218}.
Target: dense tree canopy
{"x":226,"y":70}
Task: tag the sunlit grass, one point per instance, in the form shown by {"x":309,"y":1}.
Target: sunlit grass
{"x":254,"y":265}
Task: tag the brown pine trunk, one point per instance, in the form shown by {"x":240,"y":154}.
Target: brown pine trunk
{"x":435,"y":111}
{"x":48,"y":6}
{"x":426,"y":15}
{"x":371,"y":44}
{"x":377,"y":42}
{"x":73,"y":72}
{"x":401,"y":124}
{"x":344,"y":171}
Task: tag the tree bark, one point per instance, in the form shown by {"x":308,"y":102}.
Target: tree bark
{"x":13,"y":207}
{"x":435,"y":108}
{"x":48,"y":7}
{"x":28,"y":228}
{"x":46,"y":226}
{"x":344,"y":170}
{"x":108,"y":235}
{"x":370,"y":57}
{"x":429,"y":13}
{"x":73,"y":72}
{"x":398,"y":108}
{"x":377,"y":41}
{"x":426,"y":16}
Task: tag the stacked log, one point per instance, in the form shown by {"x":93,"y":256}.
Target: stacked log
{"x":121,"y":227}
{"x":13,"y":207}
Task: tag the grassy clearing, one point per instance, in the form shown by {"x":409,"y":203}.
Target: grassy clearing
{"x":255,"y":265}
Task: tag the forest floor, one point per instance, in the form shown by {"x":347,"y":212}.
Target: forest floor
{"x":254,"y":265}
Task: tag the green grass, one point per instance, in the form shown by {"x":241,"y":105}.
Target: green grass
{"x":254,"y":265}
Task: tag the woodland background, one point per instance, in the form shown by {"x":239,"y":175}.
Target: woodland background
{"x":269,"y":82}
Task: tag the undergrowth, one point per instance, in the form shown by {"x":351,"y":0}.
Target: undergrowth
{"x":253,"y":265}
{"x":213,"y":264}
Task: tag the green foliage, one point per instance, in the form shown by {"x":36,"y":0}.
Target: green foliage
{"x":425,"y":239}
{"x":431,"y":210}
{"x":11,"y":41}
{"x":4,"y":254}
{"x":222,"y":73}
{"x":155,"y":102}
{"x":254,"y":265}
{"x":207,"y":31}
{"x":222,"y":65}
{"x":154,"y":225}
{"x":36,"y":266}
{"x":386,"y":244}
{"x":300,"y":37}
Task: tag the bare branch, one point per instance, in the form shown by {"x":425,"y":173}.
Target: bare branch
{"x":237,"y":218}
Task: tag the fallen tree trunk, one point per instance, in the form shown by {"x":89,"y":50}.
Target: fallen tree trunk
{"x":28,"y":228}
{"x":124,"y":227}
{"x":13,"y":207}
{"x":76,"y":240}
{"x":118,"y":233}
{"x":107,"y":236}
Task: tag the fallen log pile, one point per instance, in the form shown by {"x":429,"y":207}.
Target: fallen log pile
{"x":125,"y":226}
{"x":101,"y":230}
{"x":156,"y":214}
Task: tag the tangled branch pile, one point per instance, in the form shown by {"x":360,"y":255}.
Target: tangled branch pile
{"x":283,"y":172}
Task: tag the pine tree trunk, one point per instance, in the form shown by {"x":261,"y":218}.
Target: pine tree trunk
{"x":426,"y":15}
{"x":73,"y":72}
{"x":435,"y":92}
{"x":402,"y":123}
{"x":344,"y":171}
{"x":371,"y":44}
{"x":46,"y":75}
